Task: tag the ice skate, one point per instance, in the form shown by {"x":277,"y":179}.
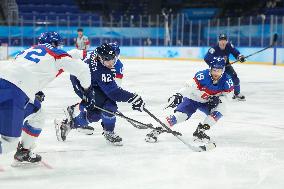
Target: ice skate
{"x":112,"y":138}
{"x":25,"y":157}
{"x":239,"y":97}
{"x":199,"y":134}
{"x":152,"y":137}
{"x":64,"y":126}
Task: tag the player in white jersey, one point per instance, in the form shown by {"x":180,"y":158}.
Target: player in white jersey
{"x":207,"y":93}
{"x":31,"y":71}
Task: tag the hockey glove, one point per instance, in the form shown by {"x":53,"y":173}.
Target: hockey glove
{"x":213,"y":102}
{"x":137,"y":103}
{"x":175,"y":100}
{"x":89,"y":98}
{"x":40,"y":96}
{"x":241,"y":58}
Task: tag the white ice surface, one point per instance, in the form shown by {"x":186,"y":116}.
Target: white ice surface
{"x":250,"y":138}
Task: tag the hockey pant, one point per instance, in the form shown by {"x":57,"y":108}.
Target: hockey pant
{"x":12,"y":113}
{"x":188,"y":107}
{"x":84,"y":117}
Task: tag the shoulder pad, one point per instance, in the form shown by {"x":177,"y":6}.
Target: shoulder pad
{"x":211,"y":50}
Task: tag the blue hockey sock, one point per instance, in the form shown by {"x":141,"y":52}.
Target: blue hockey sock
{"x":237,"y":89}
{"x":108,"y":122}
{"x":81,"y":120}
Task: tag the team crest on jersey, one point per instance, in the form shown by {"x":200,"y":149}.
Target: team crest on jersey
{"x":211,"y":50}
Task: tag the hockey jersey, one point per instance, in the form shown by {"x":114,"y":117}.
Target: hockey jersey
{"x":217,"y":52}
{"x":85,"y":55}
{"x":35,"y":67}
{"x":105,"y":79}
{"x":202,"y":87}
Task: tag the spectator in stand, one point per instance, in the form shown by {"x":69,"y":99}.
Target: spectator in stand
{"x":82,"y":42}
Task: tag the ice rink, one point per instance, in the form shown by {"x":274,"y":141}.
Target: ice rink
{"x":250,"y":138}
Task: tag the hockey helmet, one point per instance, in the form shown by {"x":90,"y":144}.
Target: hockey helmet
{"x":218,"y":63}
{"x":116,"y":48}
{"x":223,"y":36}
{"x":52,"y":38}
{"x":106,"y":52}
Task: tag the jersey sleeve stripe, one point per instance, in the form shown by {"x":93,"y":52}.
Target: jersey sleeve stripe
{"x":57,"y":56}
{"x":119,"y":76}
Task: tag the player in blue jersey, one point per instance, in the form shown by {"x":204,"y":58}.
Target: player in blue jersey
{"x":118,"y":71}
{"x":107,"y":93}
{"x":207,"y":93}
{"x":224,"y":49}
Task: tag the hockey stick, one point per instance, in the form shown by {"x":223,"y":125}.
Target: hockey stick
{"x":274,"y":40}
{"x":138,"y":126}
{"x":206,"y":147}
{"x":150,"y":126}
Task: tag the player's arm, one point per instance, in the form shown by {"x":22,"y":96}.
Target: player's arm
{"x":78,"y":89}
{"x":209,"y":56}
{"x":78,"y":54}
{"x":77,"y":68}
{"x":114,"y":92}
{"x":236,"y":53}
{"x":186,"y":91}
{"x":120,"y":95}
{"x":119,"y":73}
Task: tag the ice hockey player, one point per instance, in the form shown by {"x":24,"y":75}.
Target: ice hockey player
{"x":207,"y":93}
{"x":107,"y":93}
{"x":118,"y":69}
{"x":31,"y":71}
{"x":224,"y":49}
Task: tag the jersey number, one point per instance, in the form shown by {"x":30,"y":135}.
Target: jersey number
{"x":200,"y":76}
{"x":230,"y":83}
{"x":29,"y":55}
{"x":106,"y":77}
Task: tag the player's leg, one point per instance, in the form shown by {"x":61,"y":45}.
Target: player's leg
{"x":108,"y":123}
{"x":75,"y":120}
{"x":212,"y":117}
{"x":31,"y":130}
{"x":85,"y":128}
{"x":12,"y":104}
{"x":237,"y":88}
{"x":183,"y":112}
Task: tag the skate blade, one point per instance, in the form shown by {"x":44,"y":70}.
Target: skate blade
{"x":201,"y":141}
{"x":239,"y":100}
{"x":115,"y":143}
{"x":57,"y":130}
{"x":24,"y":164}
{"x":28,"y":165}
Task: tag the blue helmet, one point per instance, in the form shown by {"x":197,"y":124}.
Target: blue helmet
{"x":115,"y":47}
{"x":218,"y":63}
{"x":52,"y":38}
